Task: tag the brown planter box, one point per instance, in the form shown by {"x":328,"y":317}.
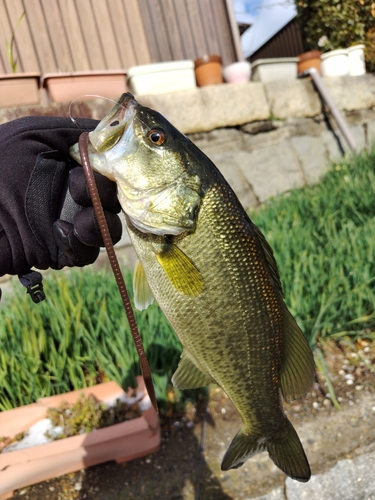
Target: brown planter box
{"x":65,"y":87}
{"x":19,"y":89}
{"x":120,"y":442}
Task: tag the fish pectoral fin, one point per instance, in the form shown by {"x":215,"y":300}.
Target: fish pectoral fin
{"x":298,"y":367}
{"x":180,"y":270}
{"x":188,"y":376}
{"x":286,"y":451}
{"x":143,"y":296}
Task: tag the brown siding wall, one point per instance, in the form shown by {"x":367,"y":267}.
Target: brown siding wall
{"x":188,"y":29}
{"x":286,"y":43}
{"x":71,"y":35}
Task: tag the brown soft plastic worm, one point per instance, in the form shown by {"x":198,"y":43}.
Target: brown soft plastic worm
{"x":145,"y":367}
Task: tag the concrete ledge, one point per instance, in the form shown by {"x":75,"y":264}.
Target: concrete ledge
{"x":293,"y":99}
{"x":214,"y":106}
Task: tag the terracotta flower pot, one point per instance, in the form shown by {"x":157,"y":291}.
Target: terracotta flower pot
{"x":65,"y":87}
{"x":208,"y":70}
{"x":19,"y":89}
{"x":309,"y":60}
{"x":120,"y":442}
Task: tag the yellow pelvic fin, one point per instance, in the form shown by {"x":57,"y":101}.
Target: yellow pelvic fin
{"x":143,"y":296}
{"x":188,"y":376}
{"x":180,"y":270}
{"x":298,"y":367}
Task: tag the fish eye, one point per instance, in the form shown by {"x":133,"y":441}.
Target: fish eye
{"x":157,"y":137}
{"x":113,"y":124}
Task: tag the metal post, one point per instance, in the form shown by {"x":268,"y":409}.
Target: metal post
{"x":331,"y":105}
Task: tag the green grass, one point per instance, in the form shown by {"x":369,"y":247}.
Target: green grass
{"x":323,"y":238}
{"x":77,"y":337}
{"x":324,"y":242}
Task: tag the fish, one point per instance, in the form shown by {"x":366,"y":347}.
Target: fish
{"x":214,"y":276}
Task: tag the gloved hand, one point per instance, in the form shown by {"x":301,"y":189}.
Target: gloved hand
{"x":46,"y":216}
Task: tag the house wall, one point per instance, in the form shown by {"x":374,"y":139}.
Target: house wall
{"x":286,"y":43}
{"x":265,"y":138}
{"x":76,"y":35}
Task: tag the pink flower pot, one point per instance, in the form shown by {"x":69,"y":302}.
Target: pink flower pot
{"x":238,"y":72}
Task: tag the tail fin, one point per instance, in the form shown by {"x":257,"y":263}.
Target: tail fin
{"x":286,"y":452}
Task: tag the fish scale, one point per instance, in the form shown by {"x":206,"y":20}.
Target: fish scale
{"x":214,"y":276}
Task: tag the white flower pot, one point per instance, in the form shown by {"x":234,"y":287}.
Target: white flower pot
{"x":238,"y":72}
{"x":335,"y":63}
{"x":356,"y":56}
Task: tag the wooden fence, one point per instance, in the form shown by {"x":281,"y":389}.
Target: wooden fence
{"x":75,"y":35}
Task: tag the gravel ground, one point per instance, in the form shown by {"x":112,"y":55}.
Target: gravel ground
{"x":181,"y":472}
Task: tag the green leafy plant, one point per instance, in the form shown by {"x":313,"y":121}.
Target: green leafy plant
{"x":334,"y":24}
{"x":79,"y":337}
{"x":9,"y":45}
{"x":322,"y":237}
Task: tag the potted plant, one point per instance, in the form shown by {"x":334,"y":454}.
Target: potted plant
{"x":67,"y":86}
{"x":120,"y":442}
{"x":18,"y":89}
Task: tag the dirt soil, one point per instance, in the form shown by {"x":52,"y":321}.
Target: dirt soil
{"x":182,"y":471}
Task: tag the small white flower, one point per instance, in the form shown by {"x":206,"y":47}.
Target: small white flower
{"x":322,"y":41}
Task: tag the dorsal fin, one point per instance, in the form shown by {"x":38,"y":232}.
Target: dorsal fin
{"x":270,"y":259}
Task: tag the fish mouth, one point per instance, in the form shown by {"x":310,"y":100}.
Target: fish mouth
{"x":113,"y":126}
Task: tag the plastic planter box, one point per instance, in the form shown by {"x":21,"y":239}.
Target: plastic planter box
{"x":65,"y":87}
{"x":162,"y":77}
{"x":271,"y":70}
{"x":19,"y":89}
{"x":120,"y":442}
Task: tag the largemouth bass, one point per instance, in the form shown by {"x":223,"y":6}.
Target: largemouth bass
{"x":214,"y":276}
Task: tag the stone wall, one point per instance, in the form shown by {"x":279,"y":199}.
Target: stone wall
{"x":269,"y":138}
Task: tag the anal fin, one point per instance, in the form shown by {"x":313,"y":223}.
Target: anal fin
{"x":188,"y":376}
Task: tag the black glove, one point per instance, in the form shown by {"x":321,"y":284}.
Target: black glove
{"x":46,"y":216}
